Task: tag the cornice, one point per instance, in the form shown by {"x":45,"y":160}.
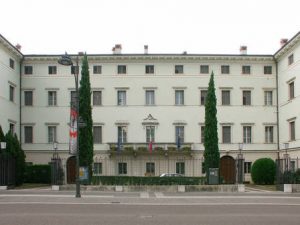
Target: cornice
{"x":10,"y":47}
{"x":288,"y":46}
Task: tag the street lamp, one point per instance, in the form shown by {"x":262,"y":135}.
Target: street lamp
{"x":286,"y":156}
{"x":240,"y":164}
{"x":66,"y":60}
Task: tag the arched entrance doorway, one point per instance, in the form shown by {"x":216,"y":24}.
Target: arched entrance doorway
{"x":71,"y":170}
{"x":227,"y":169}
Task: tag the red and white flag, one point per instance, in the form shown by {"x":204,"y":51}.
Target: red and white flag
{"x":150,"y":146}
{"x":73,"y":131}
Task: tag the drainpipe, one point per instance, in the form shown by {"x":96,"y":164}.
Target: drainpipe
{"x":277,"y":108}
{"x":20,"y":100}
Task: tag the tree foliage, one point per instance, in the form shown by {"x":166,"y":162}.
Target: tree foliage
{"x":263,"y":171}
{"x":85,"y":113}
{"x":211,"y":152}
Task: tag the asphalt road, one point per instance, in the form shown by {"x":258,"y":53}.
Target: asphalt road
{"x":46,"y":207}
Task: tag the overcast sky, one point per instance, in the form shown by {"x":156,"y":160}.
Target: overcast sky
{"x":167,"y":26}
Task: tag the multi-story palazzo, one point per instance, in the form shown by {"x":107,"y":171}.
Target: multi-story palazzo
{"x":145,"y":98}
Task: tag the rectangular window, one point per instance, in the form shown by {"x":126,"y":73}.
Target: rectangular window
{"x":52,"y":70}
{"x":150,"y":100}
{"x":247,"y":134}
{"x":225,"y":97}
{"x":246,"y":69}
{"x":121,"y":97}
{"x":52,"y":101}
{"x":149,"y":69}
{"x":246,"y":97}
{"x":178,"y":69}
{"x":51,"y":134}
{"x":203,"y":95}
{"x":12,"y":63}
{"x":269,"y":134}
{"x":97,"y":69}
{"x":150,"y":134}
{"x":267,"y":69}
{"x":97,"y":134}
{"x":226,"y":134}
{"x":28,"y":70}
{"x":180,"y":168}
{"x":122,"y":168}
{"x":97,"y":98}
{"x":122,"y":134}
{"x":11,"y":93}
{"x":122,"y":69}
{"x":247,"y":167}
{"x":150,"y":168}
{"x":28,"y":98}
{"x":97,"y":170}
{"x":292,"y":131}
{"x":291,"y":59}
{"x":73,"y":98}
{"x":268,"y":98}
{"x":225,"y":69}
{"x":202,"y":134}
{"x":179,"y":134}
{"x":28,"y":134}
{"x":291,"y":90}
{"x":179,"y":97}
{"x":204,"y":69}
{"x":12,"y":128}
{"x":74,"y":69}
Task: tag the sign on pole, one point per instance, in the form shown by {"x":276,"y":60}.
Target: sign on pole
{"x":73,"y":131}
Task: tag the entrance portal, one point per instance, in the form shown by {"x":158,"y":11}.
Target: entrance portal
{"x":227,"y":169}
{"x":71,"y":170}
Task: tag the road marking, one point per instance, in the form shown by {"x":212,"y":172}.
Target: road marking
{"x":158,"y":194}
{"x":144,"y":195}
{"x":55,"y":196}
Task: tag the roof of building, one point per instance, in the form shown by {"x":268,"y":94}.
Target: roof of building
{"x":10,"y":46}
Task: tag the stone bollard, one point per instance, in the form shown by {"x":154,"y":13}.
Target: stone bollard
{"x":119,"y":188}
{"x":181,"y":188}
{"x":287,"y":188}
{"x":241,"y":187}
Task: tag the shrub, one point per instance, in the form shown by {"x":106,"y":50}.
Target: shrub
{"x":38,"y":174}
{"x":263,"y":171}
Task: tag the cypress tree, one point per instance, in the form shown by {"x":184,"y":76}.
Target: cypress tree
{"x":1,"y":134}
{"x":211,"y":152}
{"x":85,"y":113}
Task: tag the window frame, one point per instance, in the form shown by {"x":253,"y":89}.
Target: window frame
{"x":11,"y":63}
{"x":247,"y":134}
{"x":224,"y":69}
{"x":122,"y":69}
{"x":292,"y":129}
{"x":179,"y":97}
{"x":150,"y":168}
{"x":149,"y":97}
{"x":97,"y":69}
{"x":225,"y":99}
{"x":149,"y":69}
{"x":28,"y":101}
{"x":52,"y":134}
{"x":269,"y":134}
{"x":28,"y":70}
{"x":291,"y":90}
{"x":179,"y":69}
{"x":268,"y":98}
{"x":52,"y":70}
{"x":97,"y":137}
{"x":180,"y":168}
{"x":11,"y":93}
{"x":97,"y":98}
{"x":52,"y":100}
{"x":246,"y":69}
{"x":247,"y":99}
{"x":204,"y":69}
{"x":98,"y":168}
{"x":226,"y":137}
{"x":121,"y":97}
{"x":122,"y":168}
{"x":179,"y":133}
{"x":122,"y":132}
{"x":150,"y":134}
{"x":203,"y":96}
{"x":268,"y":70}
{"x":290,"y":59}
{"x":28,"y":139}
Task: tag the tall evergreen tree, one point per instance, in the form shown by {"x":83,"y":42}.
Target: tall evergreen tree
{"x":1,"y":134}
{"x":211,"y":152}
{"x":85,"y":113}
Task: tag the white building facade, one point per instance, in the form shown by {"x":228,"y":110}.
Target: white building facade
{"x":159,"y":98}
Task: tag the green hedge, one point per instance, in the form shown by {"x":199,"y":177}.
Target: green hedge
{"x":127,"y":180}
{"x":38,"y":174}
{"x":263,"y":171}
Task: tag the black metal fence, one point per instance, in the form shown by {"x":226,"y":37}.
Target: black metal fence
{"x":7,"y":170}
{"x":57,"y":171}
{"x":286,"y":170}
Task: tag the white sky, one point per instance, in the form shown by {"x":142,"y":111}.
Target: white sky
{"x":167,"y":26}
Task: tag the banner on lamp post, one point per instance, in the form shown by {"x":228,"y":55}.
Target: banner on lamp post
{"x":73,"y":131}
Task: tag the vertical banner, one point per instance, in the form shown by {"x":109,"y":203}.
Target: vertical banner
{"x":73,"y":131}
{"x":150,"y":147}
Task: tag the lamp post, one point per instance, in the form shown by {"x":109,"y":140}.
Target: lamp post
{"x":286,"y":156}
{"x":66,"y":60}
{"x":240,"y":164}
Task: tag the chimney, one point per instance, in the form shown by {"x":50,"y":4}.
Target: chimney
{"x":19,"y":47}
{"x":117,"y":49}
{"x":145,"y":49}
{"x":243,"y":50}
{"x":283,"y":41}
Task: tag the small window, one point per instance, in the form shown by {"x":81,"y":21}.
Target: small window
{"x":203,"y":95}
{"x":74,"y":69}
{"x":122,"y":69}
{"x":28,"y":98}
{"x":97,"y":69}
{"x":246,"y":69}
{"x":292,"y":131}
{"x":246,"y":97}
{"x":202,"y":134}
{"x":150,"y":134}
{"x":28,"y":134}
{"x":28,"y":70}
{"x":247,"y":167}
{"x":11,"y":93}
{"x":122,"y":134}
{"x":150,"y":168}
{"x":97,"y":170}
{"x":179,"y":134}
{"x":97,"y":134}
{"x":52,"y":70}
{"x":73,"y":98}
{"x":291,"y":90}
{"x":226,"y":134}
{"x":149,"y":69}
{"x":291,"y":59}
{"x":180,"y":168}
{"x":97,"y":98}
{"x":121,"y":97}
{"x":268,"y":98}
{"x":204,"y":69}
{"x":12,"y":63}
{"x":179,"y":97}
{"x":52,"y":101}
{"x":267,"y":69}
{"x":247,"y":134}
{"x":12,"y":128}
{"x":225,"y":69}
{"x":225,"y":97}
{"x":178,"y":69}
{"x":269,"y":134}
{"x":150,"y":98}
{"x":52,"y":134}
{"x":122,"y":167}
